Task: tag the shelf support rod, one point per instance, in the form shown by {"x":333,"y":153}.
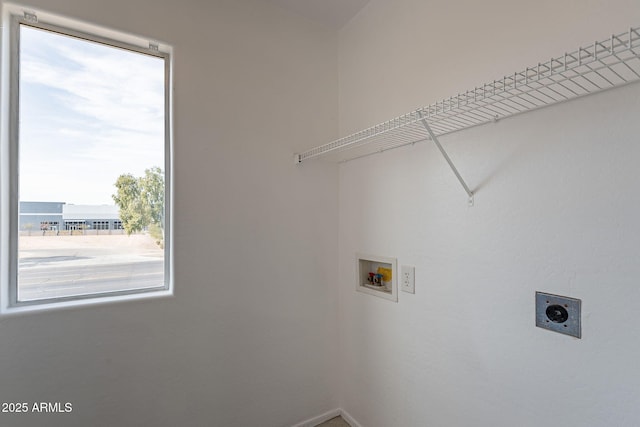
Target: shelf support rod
{"x":446,"y":157}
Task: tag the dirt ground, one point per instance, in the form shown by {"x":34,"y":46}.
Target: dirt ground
{"x":121,"y":243}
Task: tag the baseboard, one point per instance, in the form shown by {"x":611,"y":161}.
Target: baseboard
{"x":313,"y":422}
{"x":349,"y":419}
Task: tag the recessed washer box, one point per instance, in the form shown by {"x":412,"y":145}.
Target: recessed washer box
{"x":559,"y":314}
{"x":384,"y":287}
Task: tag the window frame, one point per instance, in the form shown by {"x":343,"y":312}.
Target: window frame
{"x":13,"y":18}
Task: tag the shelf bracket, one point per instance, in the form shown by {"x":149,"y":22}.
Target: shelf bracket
{"x":446,"y":157}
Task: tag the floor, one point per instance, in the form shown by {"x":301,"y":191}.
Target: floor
{"x":334,"y":422}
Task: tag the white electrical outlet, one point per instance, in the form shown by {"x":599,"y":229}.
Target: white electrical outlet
{"x":408,"y":279}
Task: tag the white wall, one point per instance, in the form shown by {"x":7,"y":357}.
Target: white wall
{"x":250,"y":337}
{"x":556,"y":210}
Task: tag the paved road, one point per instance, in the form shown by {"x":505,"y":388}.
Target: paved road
{"x":50,"y":281}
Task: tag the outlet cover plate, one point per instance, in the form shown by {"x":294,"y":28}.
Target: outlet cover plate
{"x":408,"y":279}
{"x":559,"y":314}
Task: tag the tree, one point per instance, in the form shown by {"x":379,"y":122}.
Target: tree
{"x":152,"y":184}
{"x":140,"y":200}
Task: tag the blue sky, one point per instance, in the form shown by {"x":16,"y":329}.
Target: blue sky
{"x":88,"y":113}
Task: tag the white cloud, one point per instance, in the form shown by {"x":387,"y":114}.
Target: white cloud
{"x":89,"y":112}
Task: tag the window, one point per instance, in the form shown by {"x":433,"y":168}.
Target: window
{"x":100,"y":225}
{"x":89,"y":130}
{"x":46,"y":226}
{"x":70,"y":226}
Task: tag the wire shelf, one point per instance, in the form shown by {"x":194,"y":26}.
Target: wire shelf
{"x":600,"y":66}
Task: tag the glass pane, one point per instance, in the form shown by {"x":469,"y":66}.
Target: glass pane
{"x":91,"y":159}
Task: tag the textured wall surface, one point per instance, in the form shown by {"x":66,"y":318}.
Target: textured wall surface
{"x":249,"y":337}
{"x":555,"y":210}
